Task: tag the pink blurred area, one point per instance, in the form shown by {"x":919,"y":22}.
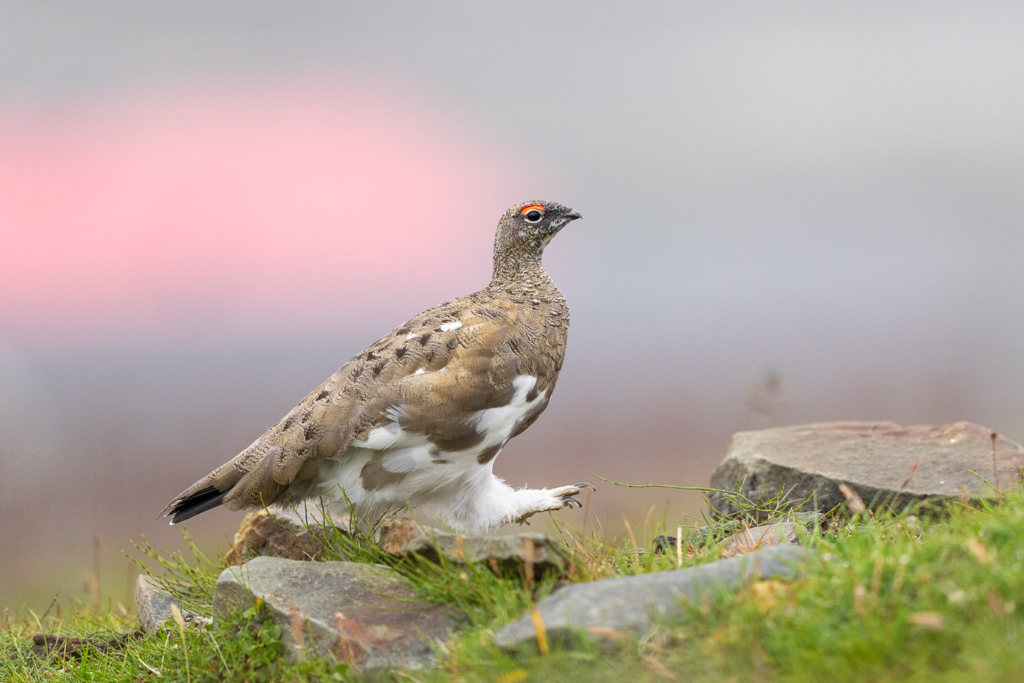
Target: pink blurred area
{"x":179,"y":264}
{"x":212,"y":210}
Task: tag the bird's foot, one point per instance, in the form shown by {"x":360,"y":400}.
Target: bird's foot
{"x":556,"y":499}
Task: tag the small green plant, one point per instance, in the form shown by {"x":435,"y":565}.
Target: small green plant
{"x":191,"y":582}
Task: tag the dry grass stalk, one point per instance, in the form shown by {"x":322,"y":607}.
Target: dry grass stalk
{"x":542,"y":633}
{"x":155,"y":672}
{"x":605,"y":632}
{"x":632,"y":538}
{"x":983,"y":555}
{"x":657,"y":667}
{"x":855,"y":502}
{"x":180,"y":620}
{"x":910,"y":475}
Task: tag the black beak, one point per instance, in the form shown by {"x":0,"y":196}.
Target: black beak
{"x":572,"y":215}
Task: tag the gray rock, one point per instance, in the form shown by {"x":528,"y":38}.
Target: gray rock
{"x":401,"y":536}
{"x":875,"y":459}
{"x":606,"y":608}
{"x":152,"y":604}
{"x":766,"y":536}
{"x":288,"y":534}
{"x":719,"y":533}
{"x":365,"y":615}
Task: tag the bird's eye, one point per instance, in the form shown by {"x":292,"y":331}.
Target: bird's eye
{"x":532,"y":213}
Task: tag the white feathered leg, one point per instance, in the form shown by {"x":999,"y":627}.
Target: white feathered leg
{"x":485,"y":502}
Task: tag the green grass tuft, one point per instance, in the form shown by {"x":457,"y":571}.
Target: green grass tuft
{"x":892,"y":596}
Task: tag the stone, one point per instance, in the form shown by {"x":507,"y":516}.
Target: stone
{"x":765,"y":536}
{"x":718,"y":534}
{"x":400,"y":536}
{"x":361,"y":614}
{"x":153,"y":605}
{"x":881,"y":462}
{"x":279,"y":533}
{"x":606,"y":609}
{"x":60,"y":648}
{"x":284,"y":533}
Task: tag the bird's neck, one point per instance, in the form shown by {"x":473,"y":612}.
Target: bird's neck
{"x":524,"y":268}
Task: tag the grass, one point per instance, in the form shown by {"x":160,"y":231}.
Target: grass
{"x":890,"y":597}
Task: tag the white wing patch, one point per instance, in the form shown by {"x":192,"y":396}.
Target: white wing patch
{"x":407,"y":459}
{"x":498,"y":423}
{"x":388,"y":437}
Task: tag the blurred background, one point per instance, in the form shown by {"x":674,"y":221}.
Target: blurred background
{"x":794,"y":212}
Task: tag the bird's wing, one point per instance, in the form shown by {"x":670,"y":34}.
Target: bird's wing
{"x":431,"y":375}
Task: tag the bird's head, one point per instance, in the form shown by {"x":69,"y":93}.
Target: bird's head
{"x":526,"y":229}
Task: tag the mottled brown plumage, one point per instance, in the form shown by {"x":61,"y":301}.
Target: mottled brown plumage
{"x":433,"y":376}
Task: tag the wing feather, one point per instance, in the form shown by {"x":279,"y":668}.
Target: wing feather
{"x":432,"y":374}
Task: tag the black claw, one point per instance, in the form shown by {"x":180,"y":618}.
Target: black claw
{"x":569,"y":500}
{"x":586,"y":485}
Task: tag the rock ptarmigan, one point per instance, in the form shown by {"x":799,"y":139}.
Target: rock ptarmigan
{"x":417,"y":419}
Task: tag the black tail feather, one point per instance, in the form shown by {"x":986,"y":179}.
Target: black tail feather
{"x":200,"y":501}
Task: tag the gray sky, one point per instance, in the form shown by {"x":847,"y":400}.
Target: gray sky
{"x":831,"y":191}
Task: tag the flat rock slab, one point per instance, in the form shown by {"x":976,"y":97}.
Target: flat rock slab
{"x":603,"y":609}
{"x":153,"y":605}
{"x":734,"y":535}
{"x":401,"y":537}
{"x":364,"y":615}
{"x":874,"y":459}
{"x":766,"y":536}
{"x":284,"y":533}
